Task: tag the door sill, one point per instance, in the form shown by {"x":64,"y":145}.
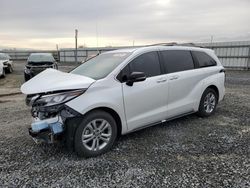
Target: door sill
{"x":158,"y":122}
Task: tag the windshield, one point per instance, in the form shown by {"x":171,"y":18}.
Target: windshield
{"x":100,"y":66}
{"x":3,"y":57}
{"x":41,"y":58}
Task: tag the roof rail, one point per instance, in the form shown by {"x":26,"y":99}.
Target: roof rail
{"x":163,"y":44}
{"x":190,"y":44}
{"x":176,"y":44}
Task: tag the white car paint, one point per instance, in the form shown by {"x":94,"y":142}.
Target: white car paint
{"x":143,"y":103}
{"x":54,"y":80}
{"x":7,"y":61}
{"x":149,"y":108}
{"x":1,"y":67}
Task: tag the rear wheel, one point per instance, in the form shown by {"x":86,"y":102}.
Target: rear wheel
{"x":208,"y":103}
{"x":96,"y":134}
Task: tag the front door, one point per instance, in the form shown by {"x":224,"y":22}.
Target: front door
{"x":146,"y":102}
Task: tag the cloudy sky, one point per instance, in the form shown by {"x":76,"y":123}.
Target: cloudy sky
{"x":42,"y":24}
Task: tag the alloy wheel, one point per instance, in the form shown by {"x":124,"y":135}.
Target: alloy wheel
{"x":96,"y":135}
{"x":209,"y":102}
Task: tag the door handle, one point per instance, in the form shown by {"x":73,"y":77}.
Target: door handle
{"x":161,"y":80}
{"x":175,"y":77}
{"x":222,"y":70}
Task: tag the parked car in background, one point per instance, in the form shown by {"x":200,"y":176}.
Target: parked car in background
{"x":38,"y":62}
{"x":2,"y":71}
{"x":122,"y":91}
{"x":6,"y":65}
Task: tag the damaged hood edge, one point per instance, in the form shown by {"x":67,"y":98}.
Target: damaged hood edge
{"x":54,"y":80}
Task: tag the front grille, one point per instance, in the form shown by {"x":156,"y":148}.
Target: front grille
{"x":37,"y":70}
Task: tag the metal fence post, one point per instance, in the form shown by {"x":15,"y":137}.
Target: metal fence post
{"x":64,"y":56}
{"x":76,"y":36}
{"x":87,"y":54}
{"x":248,"y":60}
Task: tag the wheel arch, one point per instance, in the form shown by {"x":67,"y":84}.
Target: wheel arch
{"x":71,"y":125}
{"x":200,"y":111}
{"x":114,"y":114}
{"x":215,"y":88}
{"x":212,"y":86}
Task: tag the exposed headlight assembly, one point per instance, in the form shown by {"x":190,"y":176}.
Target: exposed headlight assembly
{"x":27,"y":70}
{"x":58,"y":98}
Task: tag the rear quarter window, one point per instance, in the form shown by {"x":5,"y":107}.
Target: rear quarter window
{"x":203,"y":59}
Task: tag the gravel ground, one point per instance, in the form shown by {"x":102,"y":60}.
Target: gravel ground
{"x":186,"y":152}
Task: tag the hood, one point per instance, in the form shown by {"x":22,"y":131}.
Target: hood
{"x":54,"y":80}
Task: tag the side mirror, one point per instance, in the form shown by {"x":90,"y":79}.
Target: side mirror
{"x":136,"y":77}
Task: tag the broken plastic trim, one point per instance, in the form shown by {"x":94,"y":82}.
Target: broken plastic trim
{"x":51,"y":132}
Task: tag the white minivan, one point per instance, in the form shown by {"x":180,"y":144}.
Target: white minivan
{"x":122,"y":91}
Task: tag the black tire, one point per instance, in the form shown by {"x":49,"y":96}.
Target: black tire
{"x":204,"y":111}
{"x":56,"y":66}
{"x":9,"y":69}
{"x":95,"y":117}
{"x":3,"y":75}
{"x":26,"y":77}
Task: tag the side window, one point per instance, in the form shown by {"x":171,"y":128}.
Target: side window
{"x":147,"y":63}
{"x":177,"y":60}
{"x":203,"y":59}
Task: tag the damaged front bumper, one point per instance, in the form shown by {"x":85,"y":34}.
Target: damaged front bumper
{"x":51,"y":113}
{"x":46,"y":130}
{"x":50,"y":129}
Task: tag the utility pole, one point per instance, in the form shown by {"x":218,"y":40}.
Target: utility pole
{"x":58,"y":54}
{"x":76,"y":35}
{"x":211,"y":41}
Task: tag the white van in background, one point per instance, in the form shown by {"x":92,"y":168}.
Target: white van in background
{"x":6,"y":65}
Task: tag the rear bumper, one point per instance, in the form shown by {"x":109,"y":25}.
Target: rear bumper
{"x":222,"y":93}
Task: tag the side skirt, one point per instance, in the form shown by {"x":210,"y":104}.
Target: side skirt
{"x":158,"y":122}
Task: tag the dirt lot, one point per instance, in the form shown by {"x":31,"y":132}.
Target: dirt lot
{"x":187,"y":152}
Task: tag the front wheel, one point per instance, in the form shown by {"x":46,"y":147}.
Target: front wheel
{"x":208,"y":103}
{"x":96,"y":134}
